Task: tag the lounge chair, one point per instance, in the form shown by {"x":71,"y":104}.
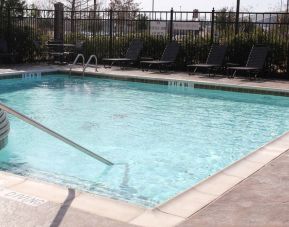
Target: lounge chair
{"x":168,"y":57}
{"x":255,"y":63}
{"x":56,"y":51}
{"x":5,"y":53}
{"x":132,"y":54}
{"x":215,"y":59}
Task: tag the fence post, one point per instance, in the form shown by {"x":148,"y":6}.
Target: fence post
{"x":237,"y":18}
{"x":288,"y":62}
{"x":59,"y":22}
{"x":8,"y":24}
{"x":171,"y":25}
{"x":110,"y":31}
{"x":213,"y":26}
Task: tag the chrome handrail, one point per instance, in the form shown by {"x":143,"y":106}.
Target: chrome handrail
{"x":75,"y":61}
{"x":88,"y":63}
{"x":53,"y":133}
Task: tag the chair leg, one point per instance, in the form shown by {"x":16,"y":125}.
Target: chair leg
{"x":234,"y":74}
{"x":107,"y":67}
{"x":189,"y":71}
{"x":145,"y":67}
{"x":160,"y":68}
{"x":214,"y":71}
{"x":228,"y":73}
{"x":249,"y":75}
{"x":193,"y":71}
{"x":231,"y":75}
{"x":210,"y":72}
{"x":123,"y":65}
{"x":256,"y":75}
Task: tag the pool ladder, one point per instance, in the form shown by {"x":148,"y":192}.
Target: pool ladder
{"x":75,"y":62}
{"x":84,"y":65}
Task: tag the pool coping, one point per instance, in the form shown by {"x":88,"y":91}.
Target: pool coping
{"x":176,"y":209}
{"x":163,"y":80}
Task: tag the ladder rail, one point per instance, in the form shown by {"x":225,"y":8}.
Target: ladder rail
{"x":54,"y":134}
{"x":75,"y":62}
{"x":88,"y":63}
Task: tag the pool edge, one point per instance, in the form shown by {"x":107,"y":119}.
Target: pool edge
{"x":186,"y":83}
{"x":189,"y":202}
{"x":217,"y":185}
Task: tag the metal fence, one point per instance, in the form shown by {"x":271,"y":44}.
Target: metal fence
{"x":107,"y":33}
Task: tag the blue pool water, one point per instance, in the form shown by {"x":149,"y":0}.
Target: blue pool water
{"x":163,"y":139}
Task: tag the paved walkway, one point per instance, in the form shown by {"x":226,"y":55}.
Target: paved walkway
{"x":260,"y":200}
{"x":219,"y":79}
{"x":17,"y":214}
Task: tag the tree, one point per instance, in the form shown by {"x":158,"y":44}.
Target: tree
{"x":12,"y":4}
{"x":123,"y":5}
{"x":123,"y":10}
{"x":143,"y":22}
{"x":18,"y":5}
{"x":77,"y":5}
{"x":224,"y":18}
{"x":35,"y":12}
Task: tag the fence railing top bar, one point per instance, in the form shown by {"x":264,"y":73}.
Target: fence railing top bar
{"x":116,"y":11}
{"x":85,"y":11}
{"x":145,"y":11}
{"x":249,"y":13}
{"x":192,"y":11}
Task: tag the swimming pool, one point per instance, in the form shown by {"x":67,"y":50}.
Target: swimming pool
{"x":164,"y":139}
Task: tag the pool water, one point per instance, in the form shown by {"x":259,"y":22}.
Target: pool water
{"x":163,"y":139}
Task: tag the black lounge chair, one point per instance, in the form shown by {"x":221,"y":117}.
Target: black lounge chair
{"x":132,"y":55}
{"x":255,"y":63}
{"x":5,"y":53}
{"x":56,"y":51}
{"x":168,"y":57}
{"x":215,"y":59}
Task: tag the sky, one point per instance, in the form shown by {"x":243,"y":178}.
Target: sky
{"x":204,"y":5}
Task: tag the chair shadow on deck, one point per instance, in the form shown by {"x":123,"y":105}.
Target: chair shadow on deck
{"x":63,"y":208}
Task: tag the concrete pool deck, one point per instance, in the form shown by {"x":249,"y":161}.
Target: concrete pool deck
{"x":221,"y":200}
{"x":155,"y":75}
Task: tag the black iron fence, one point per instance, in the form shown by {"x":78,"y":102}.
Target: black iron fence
{"x":107,"y":33}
